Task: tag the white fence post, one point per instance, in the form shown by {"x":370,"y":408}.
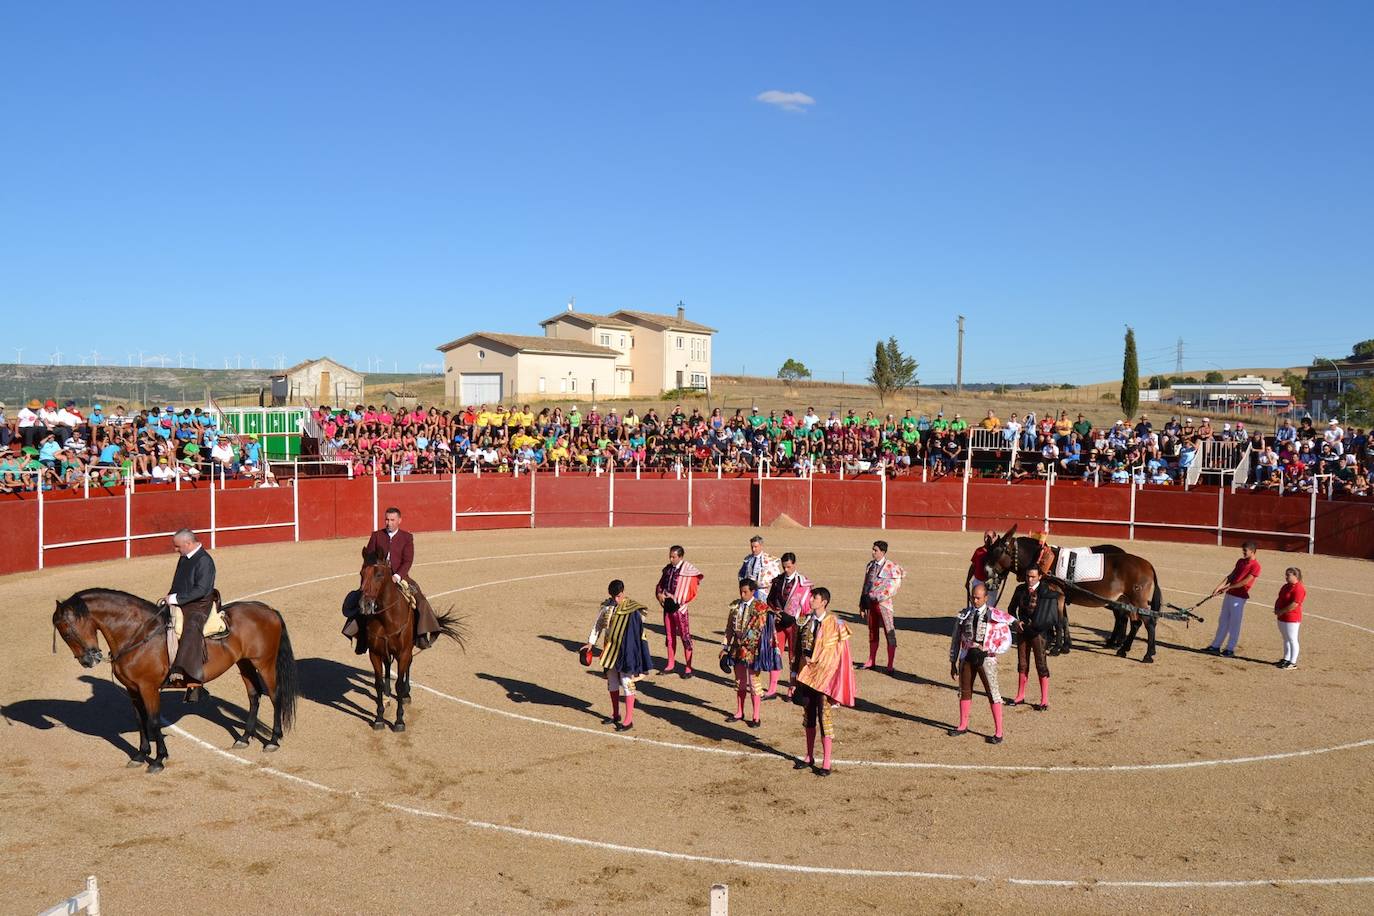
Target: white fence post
{"x":610,"y":503}
{"x":453,"y":501}
{"x":1131,"y":533}
{"x":87,"y":901}
{"x":963,"y":511}
{"x":213,"y":509}
{"x":689,"y":497}
{"x":40,"y":519}
{"x":295,"y":504}
{"x":374,"y":494}
{"x":810,"y":498}
{"x":720,"y":900}
{"x":882,"y":522}
{"x":1049,"y":482}
{"x":1221,"y":501}
{"x":532,"y":476}
{"x":129,"y":522}
{"x":1312,"y":524}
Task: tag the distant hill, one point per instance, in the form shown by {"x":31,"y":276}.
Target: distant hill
{"x":134,"y":386}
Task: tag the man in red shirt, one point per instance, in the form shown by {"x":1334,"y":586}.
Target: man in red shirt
{"x":978,"y":565}
{"x":1236,"y":585}
{"x":397,"y":547}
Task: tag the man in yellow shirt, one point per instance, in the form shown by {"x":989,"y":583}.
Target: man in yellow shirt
{"x":990,"y":421}
{"x":484,"y":417}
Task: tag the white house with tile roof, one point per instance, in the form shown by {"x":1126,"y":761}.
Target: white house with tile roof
{"x":657,"y":352}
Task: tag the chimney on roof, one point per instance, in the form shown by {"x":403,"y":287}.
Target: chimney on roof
{"x":570,"y":304}
{"x":681,"y":312}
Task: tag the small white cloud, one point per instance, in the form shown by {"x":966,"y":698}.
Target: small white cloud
{"x":787,"y":101}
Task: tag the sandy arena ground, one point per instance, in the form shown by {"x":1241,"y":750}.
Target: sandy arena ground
{"x":1197,"y":783}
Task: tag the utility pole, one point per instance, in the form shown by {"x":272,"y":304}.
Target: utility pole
{"x":1178,"y":360}
{"x":959,"y":364}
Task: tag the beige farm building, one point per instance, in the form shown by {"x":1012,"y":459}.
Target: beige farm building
{"x":319,"y":381}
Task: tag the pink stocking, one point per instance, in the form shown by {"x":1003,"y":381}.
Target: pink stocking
{"x":629,"y":709}
{"x":615,"y":704}
{"x":1044,"y":690}
{"x":773,"y":682}
{"x":757,"y":700}
{"x":965,"y":708}
{"x":825,"y":746}
{"x":997,"y":718}
{"x":891,"y":656}
{"x":1021,"y":687}
{"x":670,"y":631}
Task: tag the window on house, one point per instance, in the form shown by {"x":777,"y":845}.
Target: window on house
{"x":679,"y":343}
{"x":698,"y":380}
{"x":562,"y":386}
{"x":622,"y":341}
{"x":572,"y":384}
{"x":543,"y":384}
{"x":605,"y":340}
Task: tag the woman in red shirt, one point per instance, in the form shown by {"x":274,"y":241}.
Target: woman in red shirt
{"x":1288,"y":610}
{"x":1236,"y":585}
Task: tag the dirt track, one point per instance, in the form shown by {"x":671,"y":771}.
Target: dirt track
{"x":213,"y":835}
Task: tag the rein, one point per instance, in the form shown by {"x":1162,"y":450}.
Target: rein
{"x":129,"y":647}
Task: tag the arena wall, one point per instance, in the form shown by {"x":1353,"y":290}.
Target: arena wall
{"x":108,"y":524}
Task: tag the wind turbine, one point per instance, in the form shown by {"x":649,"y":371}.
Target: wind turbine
{"x":238,"y":358}
{"x":56,"y":357}
{"x":19,"y":355}
{"x":130,"y":357}
{"x":193,"y":360}
{"x":179,"y":365}
{"x":95,"y":357}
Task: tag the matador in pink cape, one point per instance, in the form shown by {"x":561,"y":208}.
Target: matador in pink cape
{"x":677,"y":588}
{"x":824,"y":675}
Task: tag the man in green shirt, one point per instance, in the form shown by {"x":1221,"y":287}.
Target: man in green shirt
{"x":850,"y":418}
{"x":1084,"y":428}
{"x":958,"y":425}
{"x":940,"y":424}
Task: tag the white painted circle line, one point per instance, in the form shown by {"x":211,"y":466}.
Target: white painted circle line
{"x":818,"y":871}
{"x":909,"y":764}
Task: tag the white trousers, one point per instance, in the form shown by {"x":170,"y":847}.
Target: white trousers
{"x":1289,"y":632}
{"x":1228,"y":624}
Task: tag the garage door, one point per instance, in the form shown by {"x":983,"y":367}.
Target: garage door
{"x":479,"y":388}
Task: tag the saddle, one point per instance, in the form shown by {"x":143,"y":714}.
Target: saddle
{"x":216,"y":625}
{"x":408,"y":592}
{"x":1079,"y":564}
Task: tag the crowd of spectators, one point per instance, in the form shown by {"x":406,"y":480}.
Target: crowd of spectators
{"x":56,"y":447}
{"x":64,"y":447}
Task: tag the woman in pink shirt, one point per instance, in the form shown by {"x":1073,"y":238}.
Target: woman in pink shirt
{"x":1288,"y":611}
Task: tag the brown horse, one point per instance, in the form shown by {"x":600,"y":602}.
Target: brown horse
{"x":136,"y":632}
{"x":388,"y":623}
{"x":1128,"y":581}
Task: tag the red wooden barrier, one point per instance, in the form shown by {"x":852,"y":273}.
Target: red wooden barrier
{"x":573,"y":502}
{"x":728,"y":501}
{"x":18,"y":535}
{"x":329,"y":508}
{"x":933,"y":506}
{"x":650,"y":502}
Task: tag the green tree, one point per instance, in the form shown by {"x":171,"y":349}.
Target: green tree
{"x":1130,"y":377}
{"x":793,"y":370}
{"x":1362,"y":349}
{"x":1357,"y":402}
{"x":1214,"y":378}
{"x":1297,"y":385}
{"x":891,"y":370}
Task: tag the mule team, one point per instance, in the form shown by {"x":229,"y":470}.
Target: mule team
{"x":780,"y":621}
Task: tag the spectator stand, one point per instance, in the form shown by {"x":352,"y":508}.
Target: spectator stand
{"x":987,"y":448}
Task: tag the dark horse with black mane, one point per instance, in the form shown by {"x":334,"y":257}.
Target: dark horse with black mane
{"x":1128,"y":581}
{"x":388,"y":624}
{"x":136,"y":632}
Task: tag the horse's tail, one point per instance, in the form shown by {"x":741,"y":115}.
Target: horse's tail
{"x":455,"y":628}
{"x":288,"y":681}
{"x":1157,"y":599}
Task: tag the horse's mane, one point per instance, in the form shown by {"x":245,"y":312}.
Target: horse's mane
{"x":78,"y":603}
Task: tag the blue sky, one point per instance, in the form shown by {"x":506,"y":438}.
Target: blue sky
{"x":367,"y":182}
